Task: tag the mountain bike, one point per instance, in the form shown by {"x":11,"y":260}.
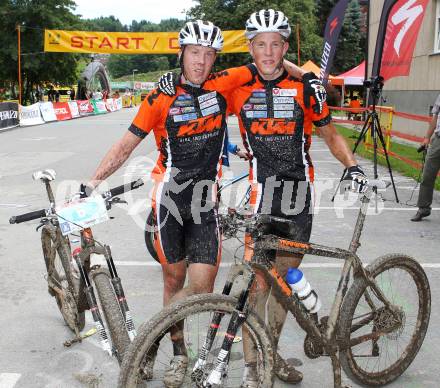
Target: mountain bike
{"x":375,"y":328}
{"x":151,"y":228}
{"x":70,"y":276}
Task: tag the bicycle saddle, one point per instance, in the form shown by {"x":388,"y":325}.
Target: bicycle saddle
{"x":44,"y":175}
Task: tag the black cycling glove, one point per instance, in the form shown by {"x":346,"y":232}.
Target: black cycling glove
{"x":313,"y":88}
{"x":167,"y":83}
{"x":359,"y":181}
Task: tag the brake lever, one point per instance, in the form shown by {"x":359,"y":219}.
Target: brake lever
{"x":43,"y":222}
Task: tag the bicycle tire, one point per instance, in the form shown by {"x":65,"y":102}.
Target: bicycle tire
{"x":131,"y":369}
{"x":351,"y":362}
{"x":57,"y":258}
{"x":149,"y":236}
{"x":112,"y":313}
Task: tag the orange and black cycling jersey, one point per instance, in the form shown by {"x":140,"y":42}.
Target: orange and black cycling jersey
{"x":276,"y":127}
{"x":189,"y":127}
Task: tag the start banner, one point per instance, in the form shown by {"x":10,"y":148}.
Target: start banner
{"x":30,"y":115}
{"x":8,"y":115}
{"x":129,"y":42}
{"x":62,"y":111}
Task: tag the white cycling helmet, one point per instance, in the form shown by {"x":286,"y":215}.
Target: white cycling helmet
{"x":201,"y":33}
{"x":267,"y":20}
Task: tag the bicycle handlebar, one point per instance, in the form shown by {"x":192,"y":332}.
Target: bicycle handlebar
{"x":124,"y":188}
{"x":45,"y":212}
{"x":28,"y":216}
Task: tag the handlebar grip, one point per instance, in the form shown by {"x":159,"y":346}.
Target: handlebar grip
{"x":28,"y":216}
{"x":127,"y":187}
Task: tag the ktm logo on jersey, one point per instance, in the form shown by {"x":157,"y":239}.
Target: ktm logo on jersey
{"x":201,"y":125}
{"x":273,"y":127}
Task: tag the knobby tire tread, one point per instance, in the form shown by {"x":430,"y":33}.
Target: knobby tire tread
{"x":351,"y":300}
{"x":112,"y":313}
{"x":48,"y":238}
{"x":155,"y":327}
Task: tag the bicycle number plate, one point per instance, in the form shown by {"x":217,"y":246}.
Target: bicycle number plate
{"x":81,"y":214}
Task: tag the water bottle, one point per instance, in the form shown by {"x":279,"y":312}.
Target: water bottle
{"x":302,"y":288}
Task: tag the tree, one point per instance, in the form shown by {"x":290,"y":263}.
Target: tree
{"x":107,"y":24}
{"x":232,"y":15}
{"x":120,"y":65}
{"x":38,"y":67}
{"x":352,"y":40}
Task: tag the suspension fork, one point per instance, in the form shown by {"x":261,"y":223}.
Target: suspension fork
{"x":119,"y":291}
{"x":234,"y":272}
{"x":79,"y":256}
{"x":238,"y":317}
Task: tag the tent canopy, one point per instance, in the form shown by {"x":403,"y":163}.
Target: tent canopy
{"x":311,"y":66}
{"x":354,"y":76}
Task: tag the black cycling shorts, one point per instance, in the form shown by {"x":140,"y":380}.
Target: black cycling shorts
{"x":187,"y":223}
{"x":291,"y":200}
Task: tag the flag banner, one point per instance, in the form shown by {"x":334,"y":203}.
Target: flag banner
{"x":98,"y":107}
{"x":73,"y":106}
{"x":110,"y":104}
{"x":404,"y":22}
{"x":30,"y":115}
{"x":129,"y":42}
{"x":84,"y":107}
{"x":331,"y":35}
{"x":8,"y":115}
{"x":144,"y":85}
{"x":62,"y":111}
{"x":47,"y":111}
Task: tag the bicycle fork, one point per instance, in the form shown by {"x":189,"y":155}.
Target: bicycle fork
{"x":238,"y":317}
{"x":120,"y":295}
{"x":91,"y":299}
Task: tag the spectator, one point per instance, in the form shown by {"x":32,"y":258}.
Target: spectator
{"x":432,"y":165}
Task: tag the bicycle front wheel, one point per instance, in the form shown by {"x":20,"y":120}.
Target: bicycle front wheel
{"x":195,"y":314}
{"x":112,"y":313}
{"x":383,"y":341}
{"x":63,"y":284}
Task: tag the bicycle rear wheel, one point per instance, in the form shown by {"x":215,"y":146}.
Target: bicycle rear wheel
{"x":63,"y":284}
{"x":400,"y":330}
{"x":196,"y":314}
{"x":112,"y":313}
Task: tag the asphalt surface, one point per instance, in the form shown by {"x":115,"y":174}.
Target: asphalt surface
{"x":33,"y":332}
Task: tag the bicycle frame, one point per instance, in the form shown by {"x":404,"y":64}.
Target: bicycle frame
{"x":308,"y":322}
{"x":82,"y":259}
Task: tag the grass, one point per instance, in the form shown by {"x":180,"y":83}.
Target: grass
{"x":397,"y":165}
{"x":151,"y":76}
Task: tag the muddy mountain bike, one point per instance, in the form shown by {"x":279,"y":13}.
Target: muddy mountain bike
{"x":151,"y":228}
{"x":71,"y":278}
{"x":376,"y":326}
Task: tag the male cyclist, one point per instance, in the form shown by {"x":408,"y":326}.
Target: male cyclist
{"x":277,"y":133}
{"x":189,"y":129}
{"x":275,"y":120}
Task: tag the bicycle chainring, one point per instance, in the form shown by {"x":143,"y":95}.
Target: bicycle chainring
{"x":312,"y":346}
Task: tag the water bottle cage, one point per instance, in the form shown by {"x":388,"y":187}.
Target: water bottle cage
{"x":312,"y":292}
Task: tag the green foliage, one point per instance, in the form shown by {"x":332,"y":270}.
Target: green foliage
{"x":120,"y":65}
{"x":232,"y":15}
{"x":350,"y":51}
{"x":38,"y":67}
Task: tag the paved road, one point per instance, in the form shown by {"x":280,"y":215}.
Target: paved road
{"x":31,"y":350}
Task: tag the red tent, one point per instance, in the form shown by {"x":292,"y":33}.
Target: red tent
{"x":354,"y":76}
